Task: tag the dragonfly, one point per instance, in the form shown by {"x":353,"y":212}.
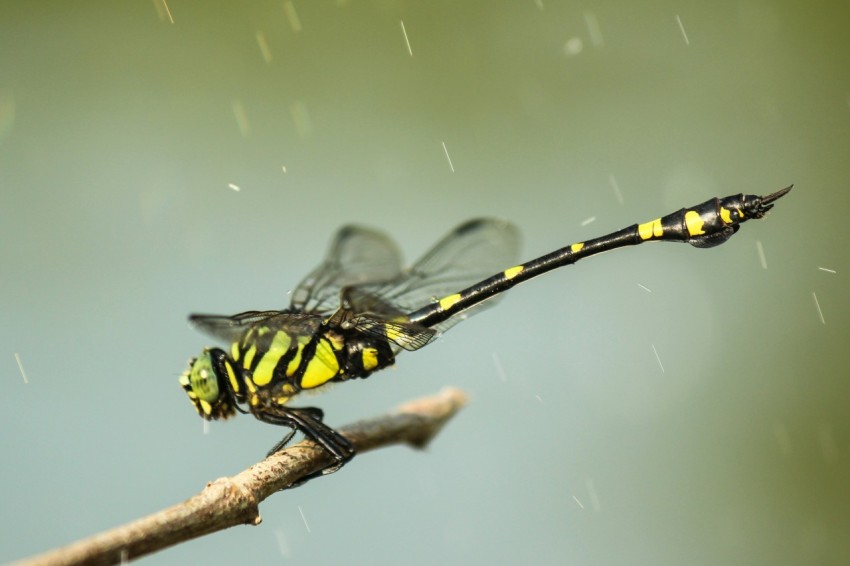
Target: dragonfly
{"x":360,"y":308}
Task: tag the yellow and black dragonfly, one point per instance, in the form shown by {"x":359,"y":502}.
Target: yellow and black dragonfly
{"x":360,"y":307}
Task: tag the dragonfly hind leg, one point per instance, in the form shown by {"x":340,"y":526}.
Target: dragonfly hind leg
{"x":308,"y":420}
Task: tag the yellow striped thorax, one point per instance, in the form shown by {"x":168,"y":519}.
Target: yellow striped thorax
{"x":267,"y":366}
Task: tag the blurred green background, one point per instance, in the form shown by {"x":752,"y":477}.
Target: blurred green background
{"x":122,"y":131}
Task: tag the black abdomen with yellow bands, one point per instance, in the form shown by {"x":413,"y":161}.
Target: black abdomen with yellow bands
{"x":703,"y":226}
{"x":351,"y":315}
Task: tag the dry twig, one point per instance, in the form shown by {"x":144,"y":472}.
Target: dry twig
{"x":235,"y":500}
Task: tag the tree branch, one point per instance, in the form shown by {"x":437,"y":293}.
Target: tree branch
{"x":235,"y":500}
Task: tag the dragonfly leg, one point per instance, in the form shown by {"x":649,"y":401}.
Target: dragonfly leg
{"x":308,"y":420}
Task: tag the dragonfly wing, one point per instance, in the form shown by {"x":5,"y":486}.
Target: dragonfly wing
{"x":231,"y":328}
{"x":407,"y":335}
{"x":356,"y":256}
{"x":468,"y":254}
{"x":358,"y":300}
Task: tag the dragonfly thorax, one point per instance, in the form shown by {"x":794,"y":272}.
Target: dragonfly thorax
{"x":266,"y":367}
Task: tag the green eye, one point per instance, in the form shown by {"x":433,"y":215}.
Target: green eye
{"x":203,"y":379}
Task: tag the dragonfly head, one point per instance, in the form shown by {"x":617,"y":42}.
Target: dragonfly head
{"x":204,"y":383}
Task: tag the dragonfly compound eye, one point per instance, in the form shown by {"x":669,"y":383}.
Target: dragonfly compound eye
{"x":207,"y":392}
{"x":203,"y":380}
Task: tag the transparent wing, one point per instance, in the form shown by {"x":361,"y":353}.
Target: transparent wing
{"x":407,"y":335}
{"x":356,"y":256}
{"x":231,"y":328}
{"x":468,"y":254}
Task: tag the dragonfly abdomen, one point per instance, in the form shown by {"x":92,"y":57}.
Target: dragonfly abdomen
{"x":705,"y":225}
